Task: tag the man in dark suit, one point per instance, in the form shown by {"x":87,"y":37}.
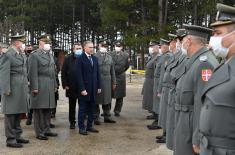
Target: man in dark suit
{"x":68,"y":78}
{"x":88,"y":77}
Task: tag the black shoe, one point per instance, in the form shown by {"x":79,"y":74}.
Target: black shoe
{"x":14,"y":145}
{"x":117,"y":114}
{"x":97,"y":122}
{"x":163,"y":140}
{"x":72,"y":126}
{"x":52,"y":126}
{"x":41,"y":137}
{"x":159,"y":137}
{"x":153,"y":127}
{"x":92,"y":130}
{"x":83,"y":132}
{"x":51,"y":134}
{"x":22,"y":141}
{"x":150,"y":117}
{"x":107,"y":115}
{"x":29,"y":122}
{"x":108,"y":120}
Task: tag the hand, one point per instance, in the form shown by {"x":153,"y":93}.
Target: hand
{"x":67,"y":87}
{"x":196,"y":149}
{"x":99,"y":91}
{"x":35,"y":92}
{"x":84,"y":93}
{"x":7,"y":94}
{"x":114,"y":87}
{"x":159,"y":94}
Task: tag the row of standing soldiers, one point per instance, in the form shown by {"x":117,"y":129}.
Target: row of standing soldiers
{"x":189,"y":93}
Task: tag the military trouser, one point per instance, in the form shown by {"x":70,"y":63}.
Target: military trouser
{"x":118,"y":105}
{"x":13,"y":129}
{"x":106,"y":110}
{"x":42,"y":120}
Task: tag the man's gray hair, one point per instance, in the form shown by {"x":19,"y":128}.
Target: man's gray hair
{"x":199,"y":40}
{"x":87,"y":42}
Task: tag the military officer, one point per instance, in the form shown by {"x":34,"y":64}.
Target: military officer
{"x":108,"y":82}
{"x":147,"y":90}
{"x":14,"y":84}
{"x":121,"y":64}
{"x":158,"y":74}
{"x":175,"y":68}
{"x":42,"y":78}
{"x":198,"y":71}
{"x":218,"y":112}
{"x":3,"y":49}
{"x":166,"y":85}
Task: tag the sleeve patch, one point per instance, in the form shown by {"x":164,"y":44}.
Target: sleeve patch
{"x":206,"y":74}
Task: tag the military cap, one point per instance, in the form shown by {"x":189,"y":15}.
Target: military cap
{"x":104,"y":43}
{"x":172,"y":36}
{"x":196,"y":30}
{"x":181,"y":33}
{"x":118,"y":43}
{"x":18,"y":37}
{"x":225,"y":15}
{"x":153,"y":43}
{"x":164,"y":42}
{"x":45,"y":38}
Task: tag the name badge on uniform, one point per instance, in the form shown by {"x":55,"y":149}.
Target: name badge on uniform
{"x":206,"y":74}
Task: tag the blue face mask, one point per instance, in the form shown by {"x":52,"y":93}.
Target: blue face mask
{"x":78,"y":52}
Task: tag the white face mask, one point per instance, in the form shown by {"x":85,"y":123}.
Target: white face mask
{"x":216,"y":45}
{"x":160,"y":51}
{"x":47,"y":47}
{"x":103,"y":50}
{"x":22,"y":47}
{"x":178,"y":46}
{"x":151,"y":50}
{"x":184,"y":49}
{"x":118,"y":49}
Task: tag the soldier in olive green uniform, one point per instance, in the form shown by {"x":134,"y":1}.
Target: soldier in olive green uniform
{"x":161,"y":63}
{"x":108,"y":82}
{"x":217,"y":130}
{"x":121,"y":64}
{"x":147,"y":90}
{"x":197,"y":72}
{"x":42,"y":78}
{"x":174,"y":70}
{"x":14,"y":85}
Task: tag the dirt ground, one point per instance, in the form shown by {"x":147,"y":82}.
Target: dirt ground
{"x":129,"y":136}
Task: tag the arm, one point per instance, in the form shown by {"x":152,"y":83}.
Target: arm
{"x":113,"y":76}
{"x":64,"y":75}
{"x":33,"y":72}
{"x":98,"y":76}
{"x":199,"y":84}
{"x":162,"y":72}
{"x":79,"y":74}
{"x":5,"y":75}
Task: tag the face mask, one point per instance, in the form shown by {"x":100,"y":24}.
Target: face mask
{"x":118,"y":49}
{"x":103,"y":50}
{"x":178,"y":46}
{"x":215,"y":43}
{"x":184,"y":49}
{"x":47,"y":47}
{"x":160,"y":51}
{"x":22,"y":47}
{"x":151,"y":50}
{"x":78,"y":52}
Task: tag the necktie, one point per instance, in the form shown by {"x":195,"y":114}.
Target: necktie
{"x":90,"y":60}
